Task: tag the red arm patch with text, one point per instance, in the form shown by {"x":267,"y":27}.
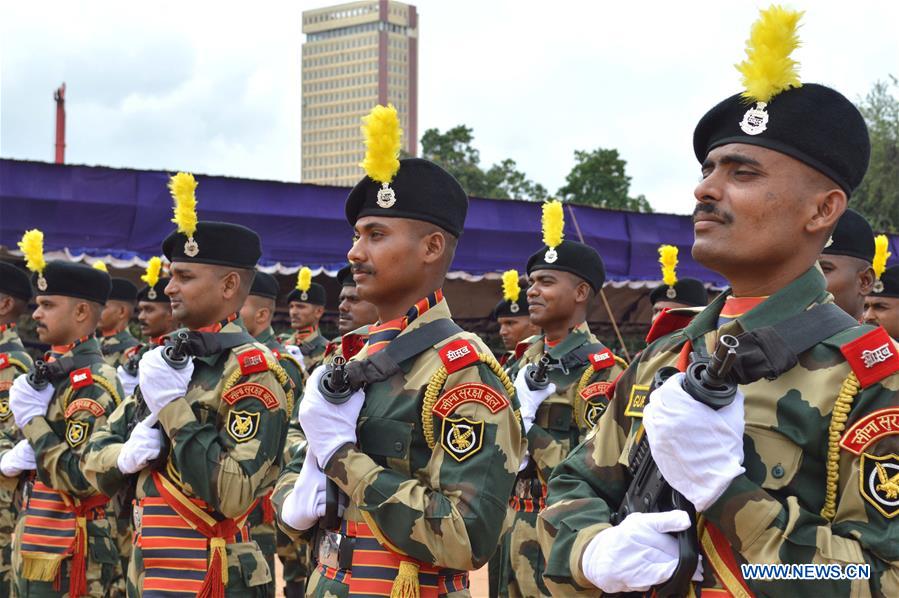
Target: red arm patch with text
{"x":95,"y":408}
{"x":472,"y":392}
{"x":602,"y":360}
{"x":250,"y":390}
{"x":252,"y":362}
{"x":457,"y":355}
{"x":81,"y":378}
{"x":872,"y":356}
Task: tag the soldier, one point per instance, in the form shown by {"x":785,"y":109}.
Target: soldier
{"x":257,"y":312}
{"x":882,"y":307}
{"x":354,"y":317}
{"x":564,"y":277}
{"x":427,"y":463}
{"x":63,"y":544}
{"x":15,"y":292}
{"x":511,"y":313}
{"x":847,"y":262}
{"x":675,"y":293}
{"x":801,"y":466}
{"x":307,"y":306}
{"x":116,"y":339}
{"x":222,"y":409}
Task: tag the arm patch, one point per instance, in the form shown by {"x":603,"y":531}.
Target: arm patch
{"x":602,"y":360}
{"x":471,"y":392}
{"x":252,"y":362}
{"x":872,"y":356}
{"x":89,"y":405}
{"x":81,"y":378}
{"x":251,"y":390}
{"x":458,"y":355}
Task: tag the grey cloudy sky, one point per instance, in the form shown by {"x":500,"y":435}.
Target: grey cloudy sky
{"x":214,"y":87}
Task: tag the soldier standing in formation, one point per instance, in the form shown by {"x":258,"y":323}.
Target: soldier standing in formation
{"x":306,"y":307}
{"x":675,"y":293}
{"x":780,"y":475}
{"x":354,"y":317}
{"x":511,"y":313}
{"x":882,"y":305}
{"x":115,"y":338}
{"x":848,"y":262}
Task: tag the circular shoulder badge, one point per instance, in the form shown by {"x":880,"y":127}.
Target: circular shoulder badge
{"x":461,"y":437}
{"x":879,"y":482}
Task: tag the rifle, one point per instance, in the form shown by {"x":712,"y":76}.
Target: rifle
{"x":41,"y":375}
{"x":537,"y":375}
{"x":707,"y":381}
{"x":335,"y":387}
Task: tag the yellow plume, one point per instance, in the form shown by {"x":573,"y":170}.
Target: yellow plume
{"x":304,"y":279}
{"x":154,"y":267}
{"x":32,"y":246}
{"x":183,"y":188}
{"x":881,"y":255}
{"x":511,"y":290}
{"x":553,"y":224}
{"x":99,"y":265}
{"x":768,"y":68}
{"x":383,"y":135}
{"x":668,"y":259}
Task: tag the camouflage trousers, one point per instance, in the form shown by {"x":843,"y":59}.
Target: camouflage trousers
{"x":123,"y":536}
{"x":295,"y":558}
{"x":522,"y":564}
{"x":7,"y":525}
{"x":248,"y":574}
{"x":102,"y":561}
{"x":264,"y":535}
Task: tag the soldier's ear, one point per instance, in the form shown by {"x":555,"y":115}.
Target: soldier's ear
{"x":435,"y":246}
{"x":230,"y":284}
{"x":830,"y":205}
{"x":866,"y":281}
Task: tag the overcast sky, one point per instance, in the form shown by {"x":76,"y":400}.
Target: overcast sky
{"x":214,"y":87}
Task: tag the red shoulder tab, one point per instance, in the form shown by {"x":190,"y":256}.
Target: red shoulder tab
{"x":131,"y":351}
{"x":252,"y":362}
{"x":352,"y":344}
{"x":457,"y":355}
{"x":4,"y":361}
{"x":667,"y":323}
{"x":872,"y":356}
{"x":276,"y":353}
{"x":602,"y":360}
{"x":81,"y":378}
{"x":520,"y":348}
{"x":610,"y":393}
{"x":330,"y":348}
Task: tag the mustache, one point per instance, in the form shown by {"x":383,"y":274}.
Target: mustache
{"x":711,"y":209}
{"x":359,"y":269}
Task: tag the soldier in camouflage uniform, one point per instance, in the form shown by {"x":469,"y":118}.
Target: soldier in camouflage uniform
{"x":847,"y":263}
{"x":306,"y":310}
{"x":557,"y":418}
{"x":355,"y":315}
{"x":64,"y":544}
{"x":802,"y":466}
{"x":15,"y":292}
{"x":427,"y":462}
{"x":115,"y":338}
{"x":257,"y":312}
{"x":882,"y":306}
{"x":514,"y":321}
{"x":223,"y":419}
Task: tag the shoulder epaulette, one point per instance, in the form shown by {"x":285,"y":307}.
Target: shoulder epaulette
{"x":668,"y":321}
{"x":458,"y":354}
{"x":872,"y":356}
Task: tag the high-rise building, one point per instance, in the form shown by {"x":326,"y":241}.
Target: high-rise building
{"x":355,"y":55}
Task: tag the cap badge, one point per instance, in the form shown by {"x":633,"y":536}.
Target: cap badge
{"x":671,"y":293}
{"x":304,"y":296}
{"x":41,"y":282}
{"x":191,"y":248}
{"x":386,"y":196}
{"x":551,"y":255}
{"x":755,"y":120}
{"x":514,"y":308}
{"x":151,"y":294}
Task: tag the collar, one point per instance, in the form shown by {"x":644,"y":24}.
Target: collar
{"x":84,"y":344}
{"x":156,"y":341}
{"x":232,"y":324}
{"x":439,"y":311}
{"x":109,"y":333}
{"x":578,"y":336}
{"x":4,"y":327}
{"x":305,"y":334}
{"x":266,"y":335}
{"x":789,"y":301}
{"x":218,"y":326}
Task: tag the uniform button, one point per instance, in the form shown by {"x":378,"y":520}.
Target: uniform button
{"x":777,"y":471}
{"x":398,"y":446}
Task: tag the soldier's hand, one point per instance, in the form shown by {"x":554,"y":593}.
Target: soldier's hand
{"x":698,"y":450}
{"x":18,"y":459}
{"x":637,"y":554}
{"x":327,"y":426}
{"x":530,"y":399}
{"x":159,"y":382}
{"x":305,"y":504}
{"x":129,"y":381}
{"x":26,"y":402}
{"x":144,"y":445}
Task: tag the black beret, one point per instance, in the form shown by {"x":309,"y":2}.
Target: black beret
{"x":890,"y":280}
{"x":687,"y":291}
{"x":123,"y":290}
{"x":315,"y":295}
{"x":571,"y":256}
{"x":813,"y":123}
{"x":345,"y":277}
{"x":14,"y":281}
{"x":73,"y":280}
{"x":158,"y":292}
{"x":265,"y":285}
{"x":422,"y":190}
{"x":219,"y":243}
{"x":852,"y":236}
{"x":504,"y":308}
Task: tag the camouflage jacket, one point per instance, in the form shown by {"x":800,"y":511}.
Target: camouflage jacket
{"x":14,"y":361}
{"x":81,"y":403}
{"x":114,"y":347}
{"x":226,"y":433}
{"x":566,"y":416}
{"x":788,"y":507}
{"x":294,"y":370}
{"x":312,"y":347}
{"x":439,"y":445}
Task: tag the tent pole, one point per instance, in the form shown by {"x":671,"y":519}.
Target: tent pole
{"x":602,"y":293}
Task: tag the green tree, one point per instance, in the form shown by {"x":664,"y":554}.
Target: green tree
{"x":506,"y":181}
{"x":877,"y":196}
{"x":598,"y":179}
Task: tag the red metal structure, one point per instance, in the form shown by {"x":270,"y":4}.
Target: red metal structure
{"x":60,"y":96}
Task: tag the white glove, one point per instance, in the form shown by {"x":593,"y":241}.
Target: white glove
{"x":530,"y":399}
{"x":637,"y":554}
{"x":143,"y":446}
{"x":18,"y":459}
{"x":129,"y":381}
{"x":698,"y":450}
{"x":26,"y":402}
{"x":160,"y":383}
{"x":296,"y":353}
{"x":305,"y":504}
{"x":328,"y":427}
